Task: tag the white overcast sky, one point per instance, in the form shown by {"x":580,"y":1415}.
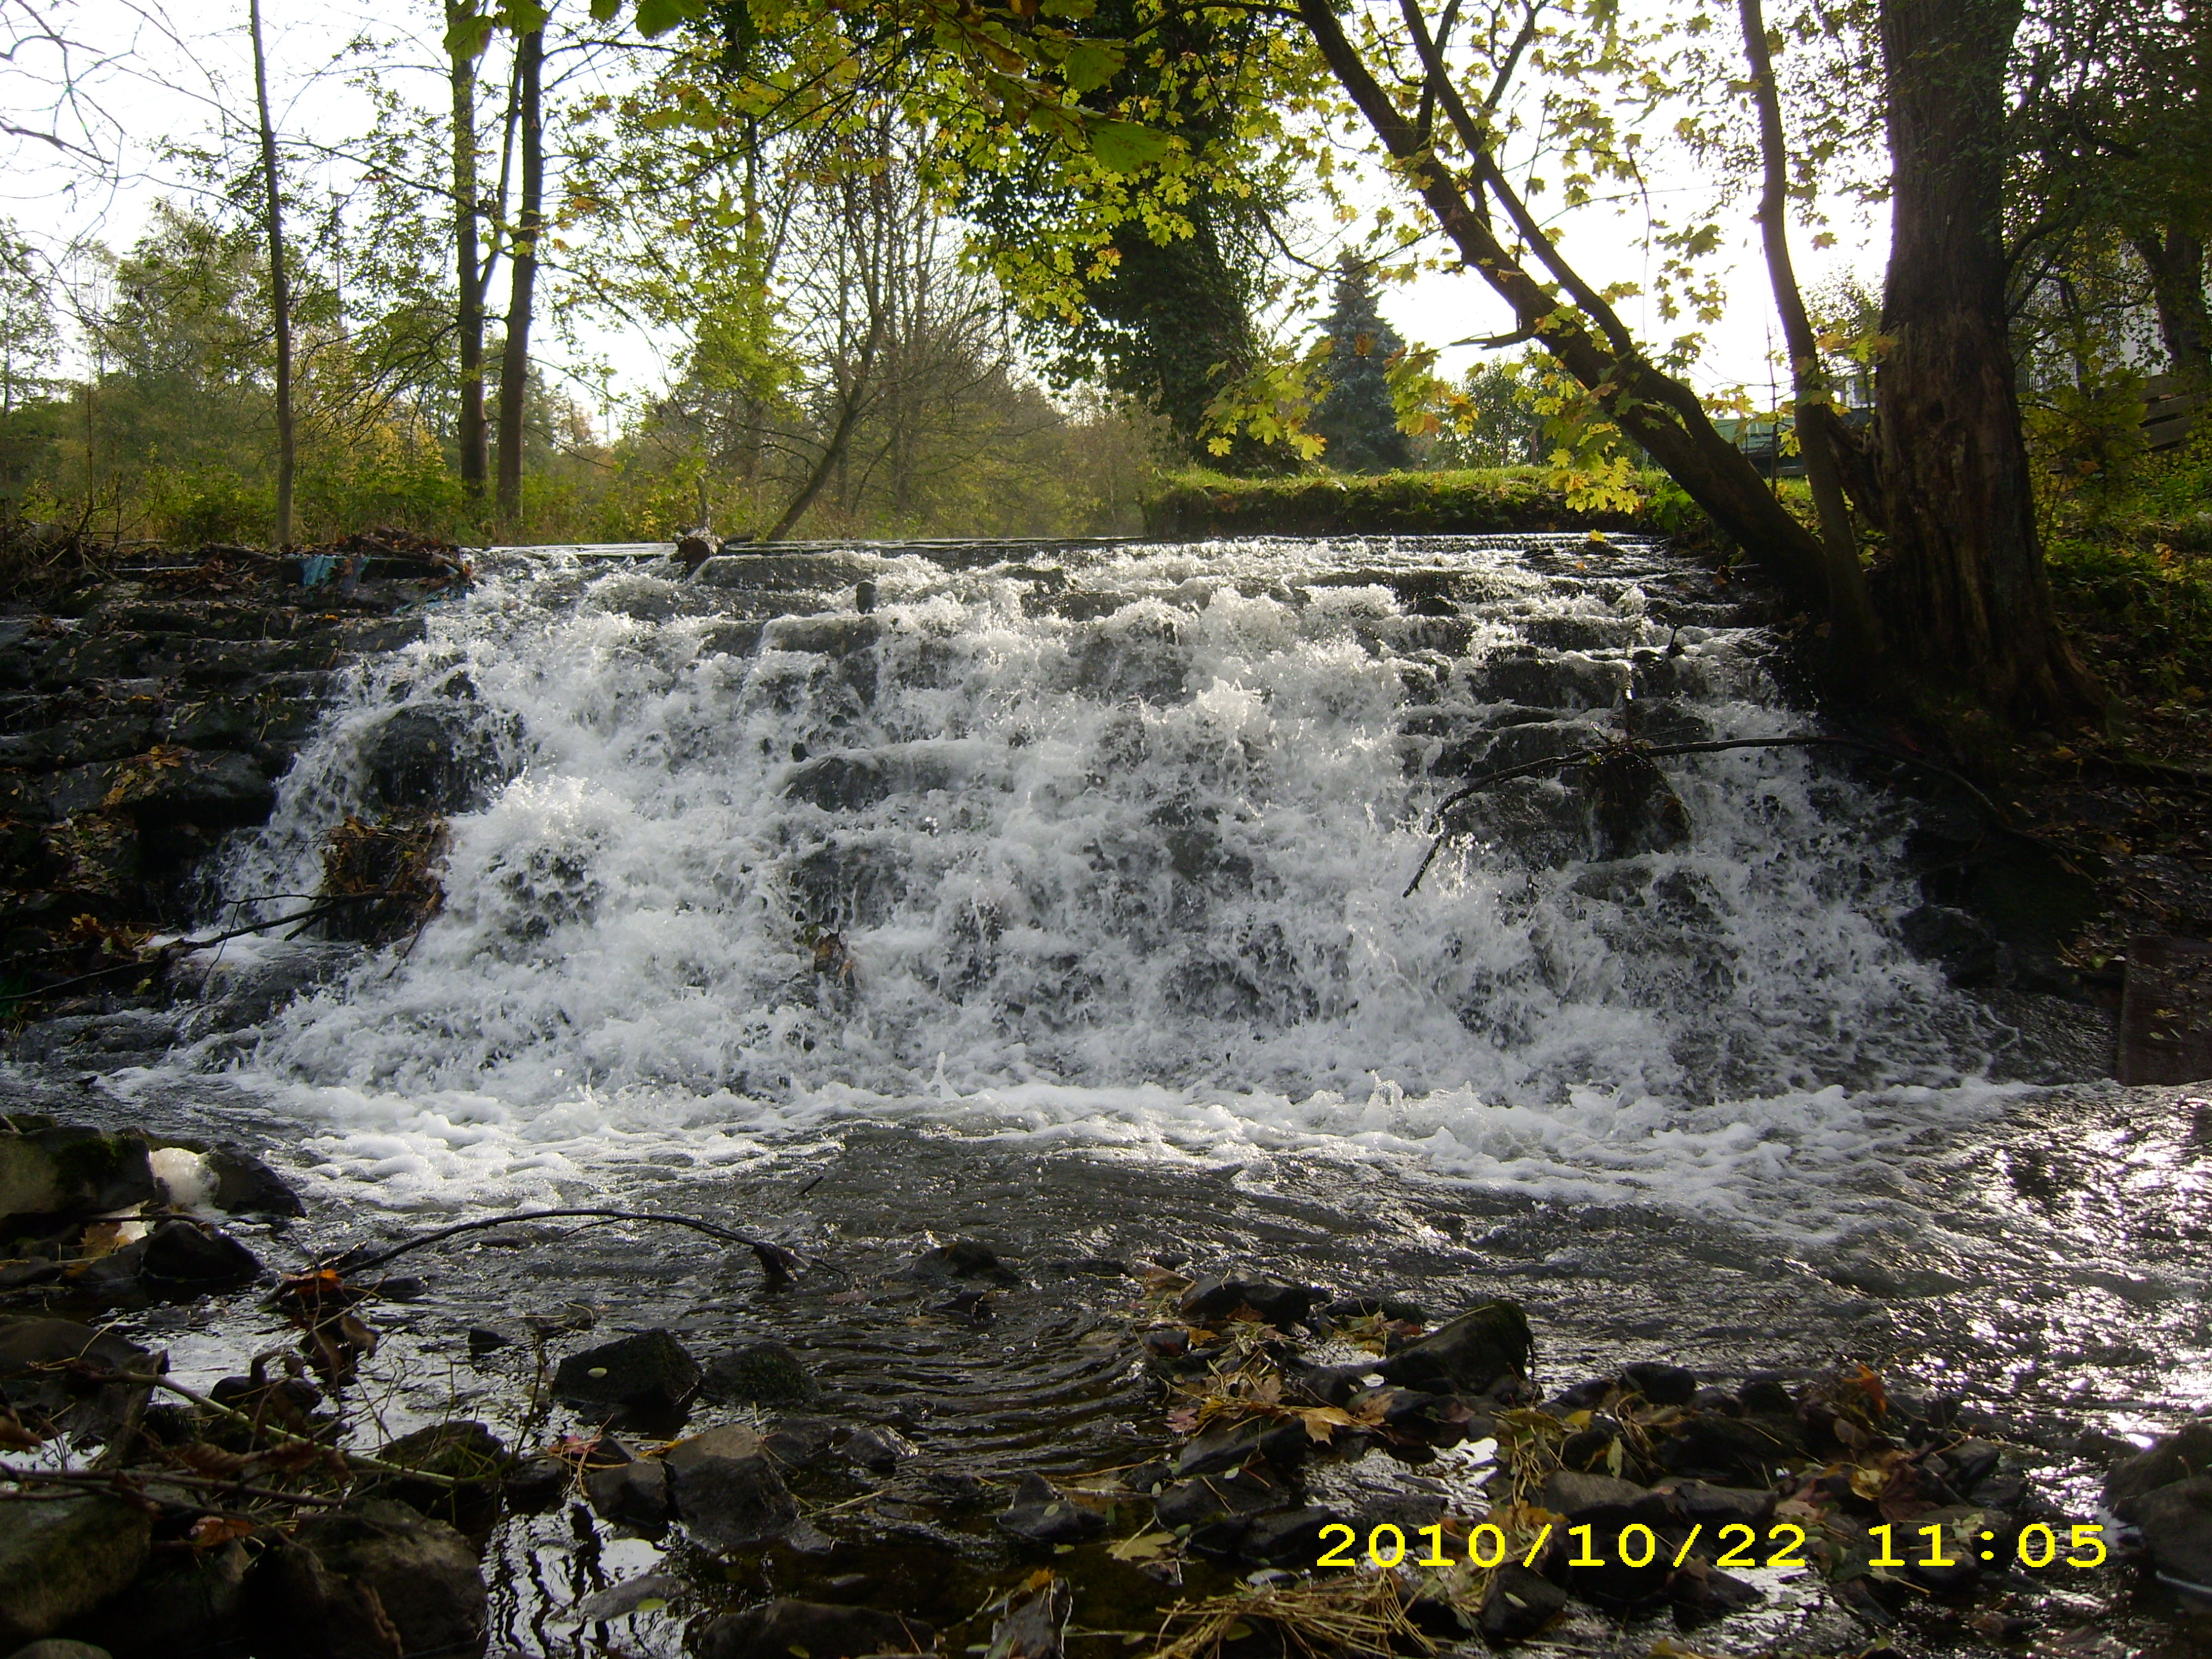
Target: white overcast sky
{"x":173,"y":70}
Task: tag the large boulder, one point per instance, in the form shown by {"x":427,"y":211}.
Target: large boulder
{"x":52,"y":1171}
{"x":2182,"y":1455}
{"x":190,"y":1604}
{"x":1471,"y":1354}
{"x":759,"y":1374}
{"x":427,"y":757}
{"x":373,"y":1581}
{"x":726,"y":1490}
{"x":2175,"y":1521}
{"x":646,"y":1374}
{"x":61,"y":1557}
{"x":49,"y":1401}
{"x":780,"y":1629}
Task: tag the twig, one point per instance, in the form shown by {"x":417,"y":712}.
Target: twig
{"x":124,"y":1480}
{"x":187,"y":946}
{"x":1552,"y":762}
{"x":777,"y":1264}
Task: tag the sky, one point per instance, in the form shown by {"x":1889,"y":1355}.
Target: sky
{"x":167,"y":72}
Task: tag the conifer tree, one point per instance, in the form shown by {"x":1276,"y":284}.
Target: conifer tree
{"x":1355,"y":415}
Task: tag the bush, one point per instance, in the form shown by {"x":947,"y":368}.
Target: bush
{"x":190,"y":509}
{"x":1482,"y":501}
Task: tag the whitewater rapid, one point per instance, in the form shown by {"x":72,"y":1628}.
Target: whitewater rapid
{"x":1112,"y":847}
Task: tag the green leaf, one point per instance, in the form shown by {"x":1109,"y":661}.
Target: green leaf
{"x":1124,"y":146}
{"x":656,"y":17}
{"x":1090,"y":64}
{"x":603,"y":11}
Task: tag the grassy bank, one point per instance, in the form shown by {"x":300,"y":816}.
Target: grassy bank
{"x":1489,"y":501}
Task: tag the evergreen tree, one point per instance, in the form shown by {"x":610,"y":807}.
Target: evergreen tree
{"x":1356,"y":416}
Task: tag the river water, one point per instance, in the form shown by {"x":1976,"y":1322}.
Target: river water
{"x":1058,"y":899}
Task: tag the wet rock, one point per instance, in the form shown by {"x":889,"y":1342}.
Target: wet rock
{"x":1971,"y":1533}
{"x":2183,"y":1455}
{"x":647,"y":1593}
{"x":1660,"y":1384}
{"x":759,"y":1374}
{"x":649,"y":1373}
{"x":429,"y":758}
{"x":1228,"y":1446}
{"x":1728,"y":1451}
{"x":1041,"y":1515}
{"x":59,"y":1171}
{"x":216,"y":788}
{"x":1602,"y":1448}
{"x":1604,"y":1503}
{"x":1286,"y":1537}
{"x":483,"y":1340}
{"x":1434,"y":1419}
{"x":1702,"y":1592}
{"x":466,"y":1452}
{"x":880,"y":1447}
{"x":964,"y":1258}
{"x":1200,"y":1503}
{"x":285,"y":1400}
{"x":1764,"y":1392}
{"x":1519,"y":1603}
{"x":1713,"y":1507}
{"x":725,"y":1489}
{"x":1396,"y":1309}
{"x":2175,"y":1521}
{"x":60,"y":1558}
{"x":188,"y":1258}
{"x":1470,"y":1354}
{"x":1034,"y":1625}
{"x":1282,"y":1306}
{"x":49,"y":1401}
{"x":799,"y":1443}
{"x":1971,"y":1462}
{"x":1633,"y":808}
{"x":244,"y":1185}
{"x":373,"y":1581}
{"x":535,"y":1485}
{"x":1717,"y":1400}
{"x":972,"y":1307}
{"x":55,"y":1647}
{"x":1586,"y":1395}
{"x":634,"y":1494}
{"x":187,"y":1607}
{"x":783,"y":1628}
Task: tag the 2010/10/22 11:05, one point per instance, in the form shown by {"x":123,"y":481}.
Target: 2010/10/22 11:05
{"x":2035,"y":1546}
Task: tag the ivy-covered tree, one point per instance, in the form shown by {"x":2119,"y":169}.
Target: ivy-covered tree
{"x":1356,"y":416}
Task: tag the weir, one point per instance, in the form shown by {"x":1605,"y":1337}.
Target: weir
{"x":1105,"y":842}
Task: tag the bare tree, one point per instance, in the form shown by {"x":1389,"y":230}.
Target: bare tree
{"x":280,"y":288}
{"x":514,"y":362}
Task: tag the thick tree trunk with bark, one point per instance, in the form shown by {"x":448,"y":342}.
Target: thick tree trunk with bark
{"x":280,"y":282}
{"x":468,"y":209}
{"x":1658,"y":411}
{"x":2176,"y":262}
{"x":514,"y":361}
{"x":1965,"y":600}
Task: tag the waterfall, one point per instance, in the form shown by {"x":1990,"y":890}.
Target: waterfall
{"x":1105,"y":847}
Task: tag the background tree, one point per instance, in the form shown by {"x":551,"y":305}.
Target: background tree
{"x":1357,"y":416}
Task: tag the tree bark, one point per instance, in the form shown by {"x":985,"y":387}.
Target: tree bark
{"x":515,"y":361}
{"x":2176,"y":262}
{"x":279,"y":281}
{"x":1657,"y":410}
{"x":1854,"y":637}
{"x":468,"y":209}
{"x":1966,"y":601}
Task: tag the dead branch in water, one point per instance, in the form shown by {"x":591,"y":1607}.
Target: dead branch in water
{"x":778,"y":1265}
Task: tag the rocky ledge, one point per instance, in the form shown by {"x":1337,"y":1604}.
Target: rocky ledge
{"x":143,"y":719}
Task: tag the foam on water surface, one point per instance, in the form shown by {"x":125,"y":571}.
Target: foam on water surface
{"x":1116,"y":851}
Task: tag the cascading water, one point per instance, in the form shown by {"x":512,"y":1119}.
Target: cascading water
{"x":1111,"y":851}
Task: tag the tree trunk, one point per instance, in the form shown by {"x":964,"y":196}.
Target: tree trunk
{"x":280,"y":282}
{"x":468,"y":209}
{"x":514,"y":362}
{"x":1854,"y":638}
{"x":1967,"y":604}
{"x":1657,"y":410}
{"x":2176,"y":262}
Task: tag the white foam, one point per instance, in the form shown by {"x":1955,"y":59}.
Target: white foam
{"x":1138,"y":885}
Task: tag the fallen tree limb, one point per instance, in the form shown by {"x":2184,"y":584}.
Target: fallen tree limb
{"x":128,"y":1483}
{"x":777,"y":1264}
{"x":187,"y":946}
{"x":1553,"y":762}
